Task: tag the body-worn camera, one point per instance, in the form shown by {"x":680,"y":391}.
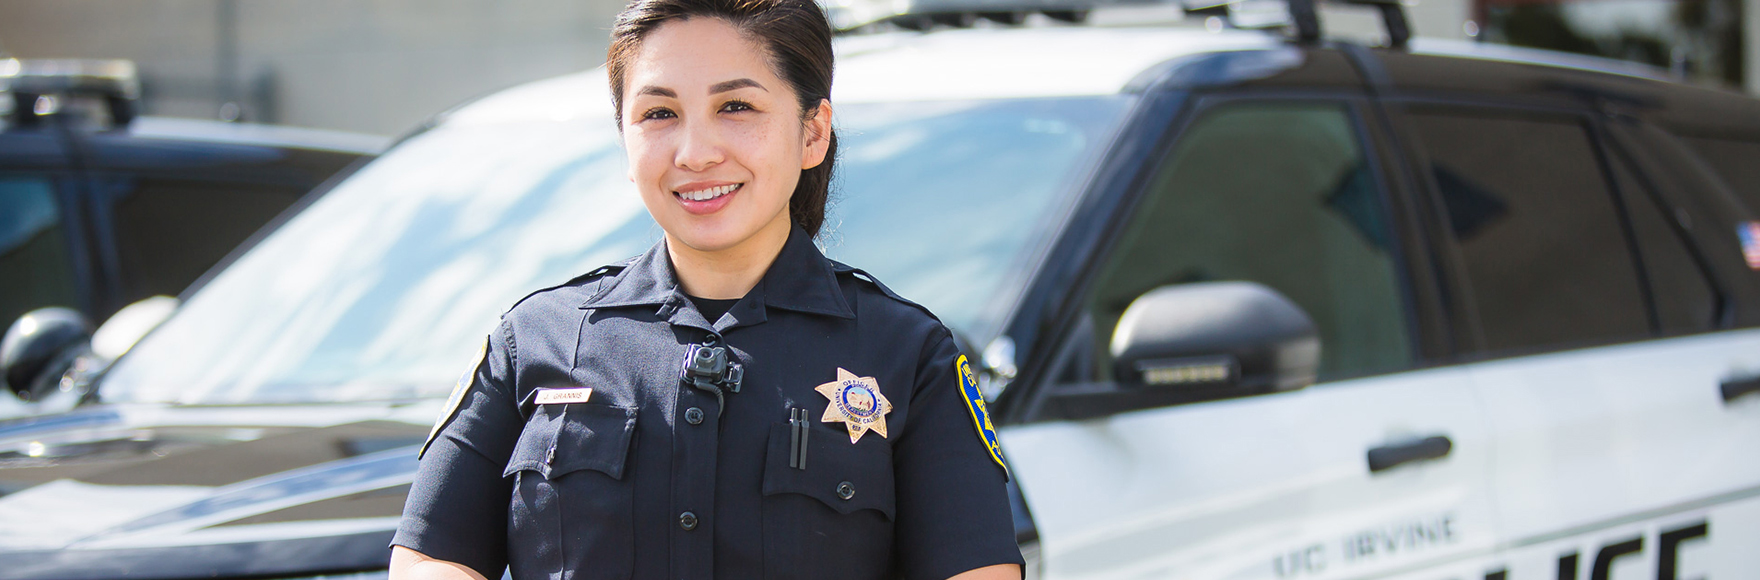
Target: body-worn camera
{"x":711,"y":368}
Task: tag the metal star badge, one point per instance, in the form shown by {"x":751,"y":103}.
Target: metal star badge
{"x":857,"y":402}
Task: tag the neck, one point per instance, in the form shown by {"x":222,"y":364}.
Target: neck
{"x":731,"y":272}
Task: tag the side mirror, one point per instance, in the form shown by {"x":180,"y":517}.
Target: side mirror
{"x":1235,"y":336}
{"x":1197,"y":342}
{"x":39,"y":347}
{"x":114,"y":338}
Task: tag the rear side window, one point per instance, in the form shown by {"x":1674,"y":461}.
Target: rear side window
{"x":169,"y":231}
{"x":1737,"y":162}
{"x":1538,"y":229}
{"x":1686,"y":300}
{"x":35,"y":264}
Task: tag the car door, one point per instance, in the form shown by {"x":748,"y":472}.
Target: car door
{"x":1284,"y":193}
{"x":1615,"y":452}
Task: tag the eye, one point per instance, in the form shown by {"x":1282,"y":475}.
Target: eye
{"x":658,"y":113}
{"x":736,"y":107}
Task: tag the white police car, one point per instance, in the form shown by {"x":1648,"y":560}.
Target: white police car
{"x":1247,"y":307}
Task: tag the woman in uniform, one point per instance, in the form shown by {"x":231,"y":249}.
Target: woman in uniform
{"x":730,"y":404}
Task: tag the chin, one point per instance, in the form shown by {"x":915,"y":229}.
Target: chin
{"x":722,"y":230}
{"x":708,"y":237}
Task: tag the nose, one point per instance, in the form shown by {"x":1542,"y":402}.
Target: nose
{"x":700,"y":147}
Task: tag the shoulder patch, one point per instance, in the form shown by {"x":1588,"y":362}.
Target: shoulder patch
{"x":968,"y":386}
{"x":456,"y":399}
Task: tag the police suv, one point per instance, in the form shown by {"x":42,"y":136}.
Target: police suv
{"x":1249,"y":305}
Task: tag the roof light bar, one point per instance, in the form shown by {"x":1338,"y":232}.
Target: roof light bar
{"x":114,"y":81}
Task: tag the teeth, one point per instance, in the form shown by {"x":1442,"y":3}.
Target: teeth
{"x":708,"y":194}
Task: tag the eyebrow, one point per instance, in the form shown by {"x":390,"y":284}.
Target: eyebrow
{"x":716,"y":88}
{"x":725,"y":86}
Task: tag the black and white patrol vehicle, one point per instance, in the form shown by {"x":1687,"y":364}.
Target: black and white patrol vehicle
{"x":1249,"y":305}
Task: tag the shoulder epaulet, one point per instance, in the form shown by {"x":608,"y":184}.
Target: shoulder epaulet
{"x":599,"y":272}
{"x":843,"y":269}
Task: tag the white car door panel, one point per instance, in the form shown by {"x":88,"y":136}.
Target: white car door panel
{"x":1273,"y":487}
{"x":1628,"y":440}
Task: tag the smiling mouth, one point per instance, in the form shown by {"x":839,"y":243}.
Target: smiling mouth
{"x":709,"y":193}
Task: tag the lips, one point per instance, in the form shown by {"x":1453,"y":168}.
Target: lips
{"x":708,"y":193}
{"x":706,"y":198}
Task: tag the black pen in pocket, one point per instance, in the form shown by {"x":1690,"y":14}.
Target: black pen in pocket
{"x":798,"y":422}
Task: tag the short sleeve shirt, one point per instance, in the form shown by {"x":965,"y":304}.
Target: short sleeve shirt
{"x":851,"y":450}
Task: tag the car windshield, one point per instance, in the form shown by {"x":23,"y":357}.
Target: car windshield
{"x":384,"y":288}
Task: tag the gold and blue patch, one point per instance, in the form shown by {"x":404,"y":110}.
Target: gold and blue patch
{"x":456,"y":399}
{"x":968,"y":386}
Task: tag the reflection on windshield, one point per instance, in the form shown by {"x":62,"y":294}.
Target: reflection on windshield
{"x":384,"y":288}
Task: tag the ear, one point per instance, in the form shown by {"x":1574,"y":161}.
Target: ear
{"x":816,"y":136}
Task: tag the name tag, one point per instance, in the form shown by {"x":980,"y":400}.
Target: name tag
{"x":564,"y":396}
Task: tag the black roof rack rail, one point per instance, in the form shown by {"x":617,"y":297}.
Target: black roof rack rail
{"x":1393,"y":16}
{"x":1303,"y":17}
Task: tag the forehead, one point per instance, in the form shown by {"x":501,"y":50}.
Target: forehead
{"x":700,"y":50}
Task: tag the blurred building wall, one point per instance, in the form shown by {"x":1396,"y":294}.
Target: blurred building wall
{"x":1751,"y":43}
{"x":377,"y":66}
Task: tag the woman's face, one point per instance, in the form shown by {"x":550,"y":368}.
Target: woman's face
{"x":715,"y":138}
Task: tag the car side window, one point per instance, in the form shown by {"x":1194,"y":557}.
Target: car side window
{"x":1537,"y":228}
{"x":1274,"y":193}
{"x":169,"y":231}
{"x":1686,"y":300}
{"x":35,"y":262}
{"x":1734,"y":161}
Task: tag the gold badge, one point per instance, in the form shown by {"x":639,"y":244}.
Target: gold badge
{"x":857,"y":402}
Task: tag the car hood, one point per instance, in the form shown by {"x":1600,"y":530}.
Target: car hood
{"x":179,"y":492}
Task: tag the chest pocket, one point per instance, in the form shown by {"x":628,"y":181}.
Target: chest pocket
{"x":560,"y":439}
{"x":572,"y":506}
{"x":837,"y":514}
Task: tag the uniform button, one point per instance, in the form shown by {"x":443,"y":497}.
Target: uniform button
{"x":688,"y":521}
{"x":550,"y":456}
{"x":693,"y":416}
{"x":845,"y":490}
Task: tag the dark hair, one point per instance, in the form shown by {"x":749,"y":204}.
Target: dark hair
{"x":796,"y":37}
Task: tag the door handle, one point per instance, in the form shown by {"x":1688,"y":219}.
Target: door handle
{"x":1734,"y":388}
{"x":1389,"y":456}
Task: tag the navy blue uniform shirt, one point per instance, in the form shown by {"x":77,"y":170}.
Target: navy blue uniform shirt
{"x":650,"y":478}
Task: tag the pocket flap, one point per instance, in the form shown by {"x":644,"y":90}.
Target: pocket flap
{"x":560,"y":439}
{"x":846,"y":477}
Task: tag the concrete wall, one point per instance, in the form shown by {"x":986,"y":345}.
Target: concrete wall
{"x":378,"y":66}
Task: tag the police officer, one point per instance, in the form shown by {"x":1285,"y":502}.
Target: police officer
{"x":730,"y":404}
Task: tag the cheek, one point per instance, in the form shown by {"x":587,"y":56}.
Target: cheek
{"x":773,"y":147}
{"x":648,"y":159}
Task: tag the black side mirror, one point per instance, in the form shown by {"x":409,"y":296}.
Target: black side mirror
{"x":1196,"y":342}
{"x":39,"y":347}
{"x":1215,"y":335}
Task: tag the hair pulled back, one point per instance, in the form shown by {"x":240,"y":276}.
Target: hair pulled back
{"x":797,"y":40}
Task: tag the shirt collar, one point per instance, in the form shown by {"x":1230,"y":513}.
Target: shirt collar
{"x":801,"y":279}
